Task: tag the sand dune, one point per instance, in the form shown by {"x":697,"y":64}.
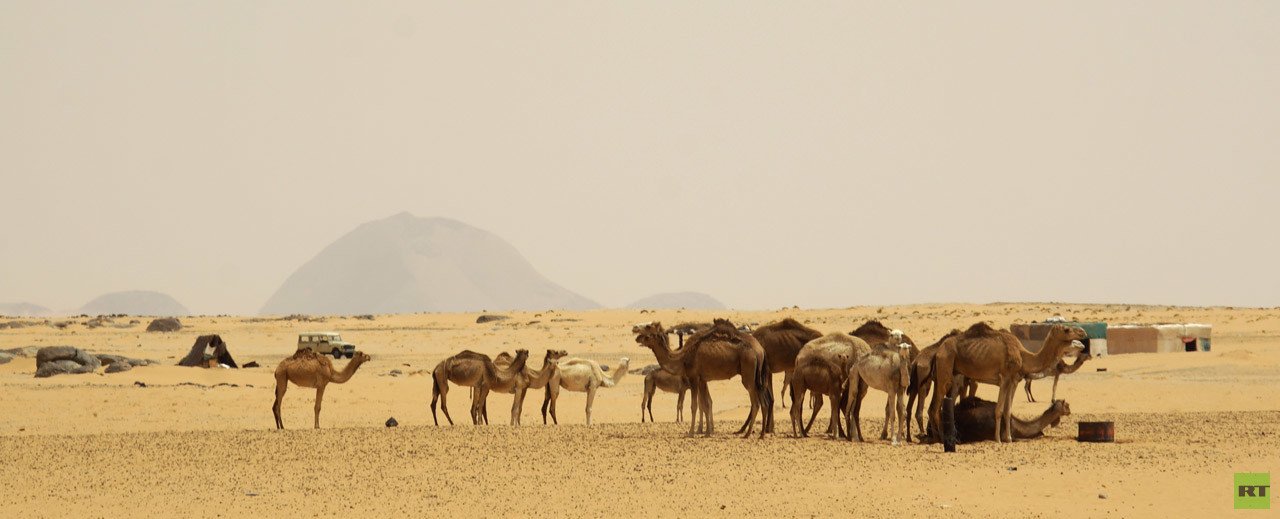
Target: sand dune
{"x":198,"y":442}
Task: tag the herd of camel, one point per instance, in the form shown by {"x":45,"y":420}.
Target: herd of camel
{"x":839,"y":366}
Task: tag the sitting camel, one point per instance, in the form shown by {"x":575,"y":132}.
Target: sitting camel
{"x":477,"y":370}
{"x":822,"y":366}
{"x":992,"y":356}
{"x":975,"y":418}
{"x":581,"y":375}
{"x":661,"y":378}
{"x":1059,"y":369}
{"x":886,"y":368}
{"x":529,"y":379}
{"x":307,"y":368}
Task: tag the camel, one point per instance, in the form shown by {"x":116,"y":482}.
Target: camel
{"x":530,"y":379}
{"x":717,"y":353}
{"x":1059,"y":369}
{"x":975,"y":416}
{"x":922,"y":380}
{"x":985,"y":354}
{"x":874,"y":333}
{"x":664,"y":379}
{"x":781,"y":342}
{"x":886,"y":368}
{"x":822,"y":366}
{"x":469,"y":368}
{"x":581,"y":375}
{"x":307,"y":368}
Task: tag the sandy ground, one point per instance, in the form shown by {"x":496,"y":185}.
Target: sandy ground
{"x":199,"y":442}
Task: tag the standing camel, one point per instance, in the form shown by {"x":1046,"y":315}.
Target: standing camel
{"x":874,"y":333}
{"x":718,"y":353}
{"x":583,"y":376}
{"x":657,"y":377}
{"x":922,"y":380}
{"x":887,"y":368}
{"x":1059,"y":369}
{"x":469,"y":368}
{"x":528,"y":379}
{"x":307,"y":368}
{"x":822,"y":366}
{"x":781,"y":342}
{"x":997,"y":357}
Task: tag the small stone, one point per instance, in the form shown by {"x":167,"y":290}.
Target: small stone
{"x":139,"y":383}
{"x":1102,"y":495}
{"x":391,"y":422}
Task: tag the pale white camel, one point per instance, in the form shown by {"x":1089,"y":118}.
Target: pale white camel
{"x":583,"y":376}
{"x":886,"y":368}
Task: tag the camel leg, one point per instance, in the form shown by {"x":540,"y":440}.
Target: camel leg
{"x":706,"y":407}
{"x":786,"y":381}
{"x":444,"y":402}
{"x":646,"y":396}
{"x":591,"y":398}
{"x":941,"y":385}
{"x":1008,"y":410}
{"x":679,"y":408}
{"x":900,"y":421}
{"x":319,"y":399}
{"x":555,"y":397}
{"x":754,"y":396}
{"x":1053,"y":396}
{"x":888,"y":418}
{"x":282,"y":385}
{"x":797,"y":411}
{"x":517,"y":405}
{"x":1027,"y":387}
{"x":817,"y":406}
{"x":695,"y":407}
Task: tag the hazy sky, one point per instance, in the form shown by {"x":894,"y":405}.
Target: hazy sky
{"x":767,"y":153}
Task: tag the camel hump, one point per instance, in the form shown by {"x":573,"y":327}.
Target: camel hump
{"x":468,"y":354}
{"x":872,"y":327}
{"x":980,"y":330}
{"x":304,"y":353}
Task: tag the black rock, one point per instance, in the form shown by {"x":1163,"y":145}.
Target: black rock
{"x":252,"y":364}
{"x":488,"y":318}
{"x":391,"y":422}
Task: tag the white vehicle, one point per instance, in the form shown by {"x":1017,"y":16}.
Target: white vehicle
{"x":326,"y":343}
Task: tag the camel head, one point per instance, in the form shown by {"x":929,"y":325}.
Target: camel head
{"x":1066,"y":333}
{"x":1060,"y":408}
{"x":624,"y":363}
{"x":361,"y":358}
{"x":554,"y":355}
{"x":649,"y":333}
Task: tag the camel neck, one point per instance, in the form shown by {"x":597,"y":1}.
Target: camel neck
{"x":1036,"y":427}
{"x":1047,"y":357}
{"x":662,"y":351}
{"x":347,"y":372}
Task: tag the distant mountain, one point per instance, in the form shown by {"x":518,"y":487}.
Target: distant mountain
{"x":408,"y":264}
{"x":24,"y":310}
{"x":690,"y":300}
{"x":135,"y":302}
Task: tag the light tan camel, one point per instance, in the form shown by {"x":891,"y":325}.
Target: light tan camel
{"x":887,"y":368}
{"x":469,"y":368}
{"x":1059,"y":369}
{"x":306,"y":368}
{"x":975,"y":416}
{"x":717,"y":353}
{"x":993,"y":356}
{"x":874,"y":333}
{"x":583,"y":376}
{"x":822,"y":366}
{"x":528,"y":379}
{"x":781,"y":342}
{"x":661,"y":378}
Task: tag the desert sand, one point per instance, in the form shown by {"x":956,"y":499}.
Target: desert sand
{"x":202,"y":443}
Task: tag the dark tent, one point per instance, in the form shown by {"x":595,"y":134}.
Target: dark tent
{"x":208,"y":347}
